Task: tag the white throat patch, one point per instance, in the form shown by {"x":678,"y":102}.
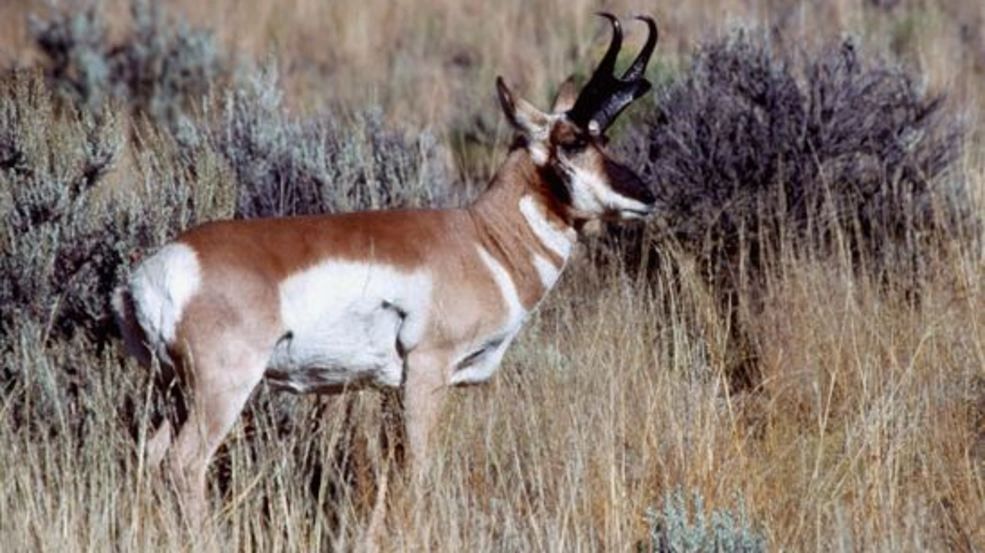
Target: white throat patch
{"x":559,"y":241}
{"x":514,"y":308}
{"x":591,"y":195}
{"x":547,"y":271}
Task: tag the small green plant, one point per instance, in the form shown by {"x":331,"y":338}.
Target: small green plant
{"x":680,"y":528}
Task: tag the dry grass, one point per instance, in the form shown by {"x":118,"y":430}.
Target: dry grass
{"x":866,"y":432}
{"x":429,"y":60}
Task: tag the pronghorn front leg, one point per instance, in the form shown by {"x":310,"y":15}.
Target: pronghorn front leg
{"x":425,"y":389}
{"x":424,"y":392}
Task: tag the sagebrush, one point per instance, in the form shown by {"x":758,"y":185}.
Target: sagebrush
{"x":162,"y":68}
{"x":752,"y":145}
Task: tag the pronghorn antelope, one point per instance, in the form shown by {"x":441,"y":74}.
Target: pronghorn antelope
{"x":418,"y":299}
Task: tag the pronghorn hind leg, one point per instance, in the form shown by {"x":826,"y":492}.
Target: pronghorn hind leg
{"x":158,"y":444}
{"x":218,"y":399}
{"x":168,"y":384}
{"x":393,"y":448}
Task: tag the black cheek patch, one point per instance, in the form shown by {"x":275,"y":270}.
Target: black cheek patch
{"x":625,"y":182}
{"x":555,"y":184}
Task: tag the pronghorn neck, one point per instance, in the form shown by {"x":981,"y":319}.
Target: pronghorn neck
{"x":520,"y":177}
{"x":522,"y":223}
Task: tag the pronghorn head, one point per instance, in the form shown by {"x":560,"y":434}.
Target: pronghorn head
{"x":568,"y":145}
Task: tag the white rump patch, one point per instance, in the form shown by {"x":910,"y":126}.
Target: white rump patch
{"x":557,"y":240}
{"x":344,"y":321}
{"x":161,"y":287}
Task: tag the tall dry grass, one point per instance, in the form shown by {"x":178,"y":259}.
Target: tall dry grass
{"x":865,"y":434}
{"x":866,"y":430}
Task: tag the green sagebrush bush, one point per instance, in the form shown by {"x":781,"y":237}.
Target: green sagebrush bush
{"x":62,"y":246}
{"x":287,"y":165}
{"x":750,"y":146}
{"x":68,"y":236}
{"x":679,"y":528}
{"x":161,"y":68}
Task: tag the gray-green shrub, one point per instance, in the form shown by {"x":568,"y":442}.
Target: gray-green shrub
{"x":288,"y":165}
{"x":62,"y":245}
{"x":678,"y":527}
{"x":162,"y":68}
{"x":285,"y":164}
{"x":69,"y":233}
{"x":750,"y":143}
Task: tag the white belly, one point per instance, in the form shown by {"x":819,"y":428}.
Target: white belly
{"x":348,"y":322}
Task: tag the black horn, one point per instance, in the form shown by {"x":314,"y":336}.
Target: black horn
{"x":638,"y":66}
{"x":607,"y":66}
{"x":605,"y":95}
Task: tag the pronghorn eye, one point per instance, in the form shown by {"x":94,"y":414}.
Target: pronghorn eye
{"x":575,"y":145}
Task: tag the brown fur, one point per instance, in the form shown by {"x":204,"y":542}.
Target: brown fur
{"x":231,"y":324}
{"x":230,"y":320}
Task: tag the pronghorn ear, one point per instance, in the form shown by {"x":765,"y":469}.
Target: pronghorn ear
{"x":522,"y":115}
{"x":567,"y":94}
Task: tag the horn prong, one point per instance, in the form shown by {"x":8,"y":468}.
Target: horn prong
{"x":608,"y":63}
{"x":638,"y":67}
